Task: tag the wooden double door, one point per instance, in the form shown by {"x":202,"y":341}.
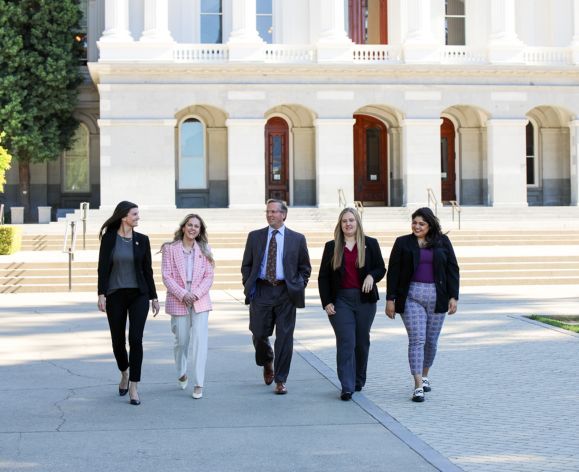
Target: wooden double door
{"x":447,"y":161}
{"x":370,"y":160}
{"x":276,"y":159}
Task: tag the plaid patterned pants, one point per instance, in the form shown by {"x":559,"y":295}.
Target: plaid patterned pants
{"x":422,"y":325}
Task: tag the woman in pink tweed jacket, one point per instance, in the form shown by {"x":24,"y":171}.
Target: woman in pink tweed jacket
{"x":188,"y":275}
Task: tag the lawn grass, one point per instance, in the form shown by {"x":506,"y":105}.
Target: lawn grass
{"x":557,"y":322}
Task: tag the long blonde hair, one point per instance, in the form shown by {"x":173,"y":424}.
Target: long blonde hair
{"x":340,"y":240}
{"x":201,"y":238}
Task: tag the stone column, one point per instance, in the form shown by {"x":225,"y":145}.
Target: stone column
{"x":333,"y":45}
{"x":504,"y":44}
{"x":420,"y":160}
{"x":574,"y":171}
{"x":116,"y":22}
{"x":246,"y":162}
{"x":156,"y":22}
{"x":575,"y":40}
{"x":507,"y":162}
{"x":244,"y":42}
{"x":334,"y":160}
{"x":419,"y":45}
{"x":138,"y":162}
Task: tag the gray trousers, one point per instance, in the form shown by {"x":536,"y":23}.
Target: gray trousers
{"x":352,"y":323}
{"x":271,"y":306}
{"x":422,"y":325}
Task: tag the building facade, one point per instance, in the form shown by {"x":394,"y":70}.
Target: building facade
{"x":224,"y":103}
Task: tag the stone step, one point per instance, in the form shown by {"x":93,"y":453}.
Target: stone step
{"x":78,"y":286}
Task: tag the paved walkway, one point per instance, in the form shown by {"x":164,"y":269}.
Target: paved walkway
{"x":504,"y":395}
{"x":59,"y":410}
{"x":503,"y":399}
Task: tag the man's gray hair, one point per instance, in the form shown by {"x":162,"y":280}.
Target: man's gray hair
{"x":282,"y":204}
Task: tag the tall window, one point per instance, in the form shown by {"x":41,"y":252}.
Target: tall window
{"x":211,"y":22}
{"x":75,"y":163}
{"x":368,"y":21}
{"x":81,"y":35}
{"x":192,"y":169}
{"x":264,"y":9}
{"x":455,"y":21}
{"x":531,"y":156}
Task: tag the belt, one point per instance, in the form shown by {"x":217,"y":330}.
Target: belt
{"x":271,"y":284}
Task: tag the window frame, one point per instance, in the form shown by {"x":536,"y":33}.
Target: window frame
{"x":446,"y":17}
{"x":257,"y":15}
{"x":65,"y":159}
{"x":179,"y":154}
{"x":535,"y":156}
{"x":202,"y":14}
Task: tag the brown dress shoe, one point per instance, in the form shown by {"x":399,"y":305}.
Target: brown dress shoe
{"x":280,"y":388}
{"x":268,"y":373}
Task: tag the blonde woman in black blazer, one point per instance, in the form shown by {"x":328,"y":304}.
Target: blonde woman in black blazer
{"x":125,"y":286}
{"x":351,"y":267}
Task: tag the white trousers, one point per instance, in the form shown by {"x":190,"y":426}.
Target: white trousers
{"x":184,"y":328}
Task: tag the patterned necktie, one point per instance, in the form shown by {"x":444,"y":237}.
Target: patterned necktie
{"x":270,"y":268}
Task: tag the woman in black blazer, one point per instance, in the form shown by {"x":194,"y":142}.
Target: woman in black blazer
{"x":352,"y":265}
{"x":125,"y":286}
{"x":422,"y":285}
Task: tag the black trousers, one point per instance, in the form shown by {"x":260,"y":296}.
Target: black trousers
{"x":271,"y":306}
{"x":352,"y":323}
{"x":131,"y":302}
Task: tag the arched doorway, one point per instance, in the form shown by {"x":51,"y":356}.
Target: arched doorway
{"x":447,"y":161}
{"x":276,"y":159}
{"x":370,"y":160}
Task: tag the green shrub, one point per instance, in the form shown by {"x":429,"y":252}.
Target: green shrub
{"x":10,"y":239}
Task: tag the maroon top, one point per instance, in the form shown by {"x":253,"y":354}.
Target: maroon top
{"x":425,"y":271}
{"x":350,"y":278}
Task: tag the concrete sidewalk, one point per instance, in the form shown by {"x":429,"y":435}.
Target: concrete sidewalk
{"x":60,"y":410}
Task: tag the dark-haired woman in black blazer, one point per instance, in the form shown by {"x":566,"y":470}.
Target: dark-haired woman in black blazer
{"x":125,"y":286}
{"x":422,"y":285}
{"x":352,"y":265}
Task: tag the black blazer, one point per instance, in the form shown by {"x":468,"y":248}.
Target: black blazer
{"x":296,"y":264}
{"x":142,"y":258}
{"x":329,"y":279}
{"x":404,"y":260}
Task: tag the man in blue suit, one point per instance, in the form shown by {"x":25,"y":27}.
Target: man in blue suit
{"x":275,"y":271}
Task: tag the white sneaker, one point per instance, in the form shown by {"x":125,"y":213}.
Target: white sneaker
{"x":426,"y":384}
{"x":183,"y":383}
{"x":197,"y":393}
{"x":418,"y":395}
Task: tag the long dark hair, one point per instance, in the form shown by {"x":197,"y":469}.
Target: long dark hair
{"x":114,"y":222}
{"x":434,"y":230}
{"x":201,"y":238}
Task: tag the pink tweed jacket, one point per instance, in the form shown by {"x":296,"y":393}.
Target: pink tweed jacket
{"x":174,"y":268}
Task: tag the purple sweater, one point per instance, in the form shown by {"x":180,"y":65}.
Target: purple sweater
{"x":425,"y":271}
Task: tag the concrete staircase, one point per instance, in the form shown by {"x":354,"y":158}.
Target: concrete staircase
{"x":495,"y":246}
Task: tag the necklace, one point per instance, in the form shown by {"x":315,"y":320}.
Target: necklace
{"x":125,"y":239}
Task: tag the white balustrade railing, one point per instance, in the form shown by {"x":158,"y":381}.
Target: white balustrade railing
{"x":200,"y":53}
{"x":376,"y":54}
{"x":365,"y":54}
{"x":546,"y":56}
{"x":289,"y":54}
{"x":462,"y":55}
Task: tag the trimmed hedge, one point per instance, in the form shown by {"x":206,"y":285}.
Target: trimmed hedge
{"x":10,"y":239}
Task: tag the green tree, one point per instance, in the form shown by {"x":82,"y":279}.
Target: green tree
{"x":39,"y":79}
{"x":5,"y":159}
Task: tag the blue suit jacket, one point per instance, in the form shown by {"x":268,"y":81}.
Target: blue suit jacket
{"x":296,"y":263}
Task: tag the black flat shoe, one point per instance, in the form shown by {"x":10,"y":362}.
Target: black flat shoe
{"x":346,"y":396}
{"x":134,"y":402}
{"x":123,"y":391}
{"x":358,"y":388}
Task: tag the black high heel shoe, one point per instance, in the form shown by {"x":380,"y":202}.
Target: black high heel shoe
{"x":123,"y":391}
{"x":134,"y":401}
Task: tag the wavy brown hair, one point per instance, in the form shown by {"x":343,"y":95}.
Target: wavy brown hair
{"x":201,"y":238}
{"x":114,"y":222}
{"x":340,"y":240}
